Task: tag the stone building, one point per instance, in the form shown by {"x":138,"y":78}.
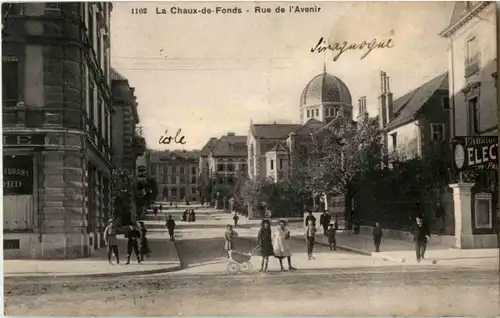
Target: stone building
{"x":472,"y":36}
{"x":228,"y":159}
{"x":176,"y":173}
{"x":56,"y":107}
{"x":127,"y":144}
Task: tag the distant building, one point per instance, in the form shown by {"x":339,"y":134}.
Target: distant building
{"x":56,"y":123}
{"x":176,"y":173}
{"x":203,"y":161}
{"x":418,"y":120}
{"x":127,"y":144}
{"x":227,"y":159}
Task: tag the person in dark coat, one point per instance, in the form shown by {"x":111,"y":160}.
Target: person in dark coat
{"x":170,"y":227}
{"x":310,"y":217}
{"x":331,"y":232}
{"x":155,"y":210}
{"x":184,"y":215}
{"x":235,"y":219}
{"x":265,"y":243}
{"x":193,"y":216}
{"x":143,"y":242}
{"x":324,"y":221}
{"x":132,"y":235}
{"x":377,"y":236}
{"x":421,"y":234}
{"x":161,"y":208}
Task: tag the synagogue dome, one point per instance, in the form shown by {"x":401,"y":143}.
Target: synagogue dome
{"x":325,"y":89}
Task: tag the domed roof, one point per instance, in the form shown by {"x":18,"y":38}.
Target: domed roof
{"x":325,"y":88}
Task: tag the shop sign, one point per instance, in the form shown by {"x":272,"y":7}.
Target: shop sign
{"x":23,"y":140}
{"x":475,"y":153}
{"x":17,"y":174}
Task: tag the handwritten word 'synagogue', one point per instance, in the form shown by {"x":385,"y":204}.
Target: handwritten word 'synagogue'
{"x":340,"y":48}
{"x":177,"y":139}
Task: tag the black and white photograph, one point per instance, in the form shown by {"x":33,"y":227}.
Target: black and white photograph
{"x":204,"y":158}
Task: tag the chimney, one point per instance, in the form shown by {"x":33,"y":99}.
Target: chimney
{"x":389,"y":103}
{"x":230,"y":133}
{"x":363,"y":104}
{"x":360,"y":107}
{"x":382,"y":101}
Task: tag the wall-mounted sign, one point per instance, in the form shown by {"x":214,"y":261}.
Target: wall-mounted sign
{"x":23,"y":140}
{"x":475,"y":153}
{"x":17,"y":174}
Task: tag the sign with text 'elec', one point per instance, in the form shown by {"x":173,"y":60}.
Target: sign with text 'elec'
{"x":475,"y":153}
{"x":17,"y":174}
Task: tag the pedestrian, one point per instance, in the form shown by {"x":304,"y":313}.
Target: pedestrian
{"x":171,"y":203}
{"x":111,"y":241}
{"x":170,"y":227}
{"x":155,"y":210}
{"x":229,"y":238}
{"x":184,"y":215}
{"x":161,"y":208}
{"x":193,"y":215}
{"x":310,"y":235}
{"x":281,"y":246}
{"x":143,"y":242}
{"x":356,"y":225}
{"x":331,"y":232}
{"x":132,"y":235}
{"x":310,"y":217}
{"x":324,"y":220}
{"x":265,"y":243}
{"x":235,"y":219}
{"x":421,"y":234}
{"x":377,"y":236}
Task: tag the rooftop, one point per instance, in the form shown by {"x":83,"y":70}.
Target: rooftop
{"x":230,"y":146}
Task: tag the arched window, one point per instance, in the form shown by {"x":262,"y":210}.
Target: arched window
{"x":317,"y":112}
{"x":308,"y":113}
{"x":272,"y":164}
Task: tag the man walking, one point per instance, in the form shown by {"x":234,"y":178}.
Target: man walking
{"x":377,"y":236}
{"x":170,"y":227}
{"x":111,"y":241}
{"x":324,"y":220}
{"x":421,"y":235}
{"x":310,"y":217}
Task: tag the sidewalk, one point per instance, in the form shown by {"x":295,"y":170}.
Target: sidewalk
{"x":163,"y":259}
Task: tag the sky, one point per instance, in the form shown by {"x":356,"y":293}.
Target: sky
{"x":213,"y":74}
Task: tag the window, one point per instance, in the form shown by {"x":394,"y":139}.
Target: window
{"x":193,"y":179}
{"x":394,"y":137}
{"x":446,"y":103}
{"x":272,"y":164}
{"x":472,"y":54}
{"x":173,"y":179}
{"x":230,"y":180}
{"x":317,"y":112}
{"x":182,"y":193}
{"x":181,"y":170}
{"x":230,"y":167}
{"x":173,"y":192}
{"x":193,"y":191}
{"x":193,"y":170}
{"x":220,"y":167}
{"x":437,"y":132}
{"x":281,"y":163}
{"x":308,"y":113}
{"x":91,"y":101}
{"x":173,"y":169}
{"x":10,"y":79}
{"x":473,"y":116}
{"x":483,"y":211}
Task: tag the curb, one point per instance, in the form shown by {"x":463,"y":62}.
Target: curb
{"x":100,"y":275}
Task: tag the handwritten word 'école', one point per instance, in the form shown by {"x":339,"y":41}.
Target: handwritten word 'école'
{"x":343,"y":47}
{"x":177,"y":139}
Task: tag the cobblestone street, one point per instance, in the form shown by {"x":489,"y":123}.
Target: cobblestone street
{"x":335,"y":283}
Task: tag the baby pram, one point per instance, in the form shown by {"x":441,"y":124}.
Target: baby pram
{"x":239,"y":262}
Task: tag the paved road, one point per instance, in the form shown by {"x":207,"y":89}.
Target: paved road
{"x":335,"y":283}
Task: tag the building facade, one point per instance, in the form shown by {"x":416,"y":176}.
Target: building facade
{"x":227,"y":160}
{"x":417,"y":122}
{"x":127,"y":144}
{"x":56,"y":110}
{"x":176,"y":173}
{"x":472,"y":36}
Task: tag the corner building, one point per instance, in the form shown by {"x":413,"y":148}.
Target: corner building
{"x":56,"y":110}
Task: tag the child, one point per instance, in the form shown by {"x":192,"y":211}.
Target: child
{"x":330,"y":232}
{"x":310,"y":238}
{"x":229,"y":237}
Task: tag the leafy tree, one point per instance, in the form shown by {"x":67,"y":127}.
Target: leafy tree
{"x":146,"y":192}
{"x":122,"y":196}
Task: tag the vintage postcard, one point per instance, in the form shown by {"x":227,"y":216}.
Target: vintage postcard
{"x":250,"y":158}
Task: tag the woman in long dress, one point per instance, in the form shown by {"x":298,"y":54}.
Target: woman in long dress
{"x":281,"y":245}
{"x":265,"y":243}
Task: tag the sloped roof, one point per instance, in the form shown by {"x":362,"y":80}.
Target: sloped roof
{"x":115,"y":76}
{"x":332,"y":123}
{"x":188,"y":155}
{"x":230,"y":146}
{"x":205,"y":151}
{"x":279,"y":147}
{"x":461,"y":10}
{"x":409,"y":104}
{"x":310,"y":127}
{"x":273,"y":131}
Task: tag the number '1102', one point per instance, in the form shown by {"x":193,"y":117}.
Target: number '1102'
{"x":139,"y":10}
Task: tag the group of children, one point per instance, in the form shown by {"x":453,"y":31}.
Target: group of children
{"x":310,"y":236}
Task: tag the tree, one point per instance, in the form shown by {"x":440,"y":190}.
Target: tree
{"x":146,"y":192}
{"x":122,"y":196}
